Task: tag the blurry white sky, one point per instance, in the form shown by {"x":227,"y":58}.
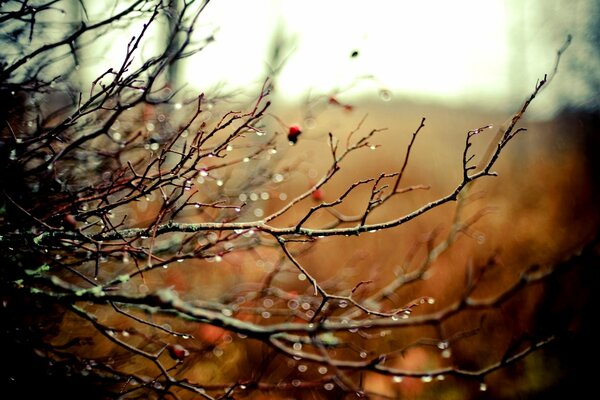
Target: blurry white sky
{"x":458,"y":52}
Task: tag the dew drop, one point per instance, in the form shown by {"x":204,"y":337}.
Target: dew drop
{"x":283,"y":196}
{"x":385,"y":95}
{"x":268,"y":303}
{"x":154,"y":146}
{"x":246,"y":159}
{"x":296,"y":382}
{"x":482,"y":387}
{"x":427,"y":378}
{"x":397,"y":379}
{"x":277,"y":178}
{"x":322,"y":370}
{"x":343,"y":304}
{"x":442,"y":345}
{"x":227,"y":312}
{"x":266,"y":314}
{"x":302,"y":277}
{"x":218,"y":352}
{"x":253,"y":196}
{"x":372,"y":147}
{"x":440,"y":377}
{"x":302,"y":368}
{"x":292,"y":304}
{"x":258,"y":212}
{"x":264,"y":196}
{"x":229,"y":147}
{"x":203,"y":172}
{"x":328,"y":386}
{"x":363,"y":354}
{"x":446,"y":353}
{"x":430,"y":300}
{"x":178,"y":106}
{"x":243,"y":197}
{"x":297,"y":346}
{"x":219,"y":182}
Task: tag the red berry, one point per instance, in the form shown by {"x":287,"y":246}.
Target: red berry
{"x":293,"y":133}
{"x":317,"y":195}
{"x":178,"y":352}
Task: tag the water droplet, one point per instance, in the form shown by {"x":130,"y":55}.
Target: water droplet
{"x":292,"y":304}
{"x":397,"y":379}
{"x":296,"y":382}
{"x":237,"y":209}
{"x":246,"y":159}
{"x":373,"y":147}
{"x":328,"y":386}
{"x":343,"y":304}
{"x":322,"y":370}
{"x":297,"y":346}
{"x":302,"y":368}
{"x":353,"y":330}
{"x":482,"y":387}
{"x":253,"y":196}
{"x":363,"y":354}
{"x":268,"y":303}
{"x":264,"y":196}
{"x":272,"y":151}
{"x":277,"y":178}
{"x":446,"y":353}
{"x":219,"y":182}
{"x":302,"y":277}
{"x":150,"y":126}
{"x":227,"y":312}
{"x":266,"y":314}
{"x":218,"y":352}
{"x":154,"y":146}
{"x":283,"y":196}
{"x":427,"y":378}
{"x":305,"y":306}
{"x":385,"y":95}
{"x":178,"y":106}
{"x":442,"y":345}
{"x":258,"y":212}
{"x":440,"y":377}
{"x":430,"y":300}
{"x":480,"y":238}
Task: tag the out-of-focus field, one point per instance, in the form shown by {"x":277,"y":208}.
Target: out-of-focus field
{"x":540,"y":210}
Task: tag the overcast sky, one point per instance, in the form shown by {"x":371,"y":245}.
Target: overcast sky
{"x":459,"y":52}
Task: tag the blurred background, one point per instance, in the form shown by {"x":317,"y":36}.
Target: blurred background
{"x":463,"y":53}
